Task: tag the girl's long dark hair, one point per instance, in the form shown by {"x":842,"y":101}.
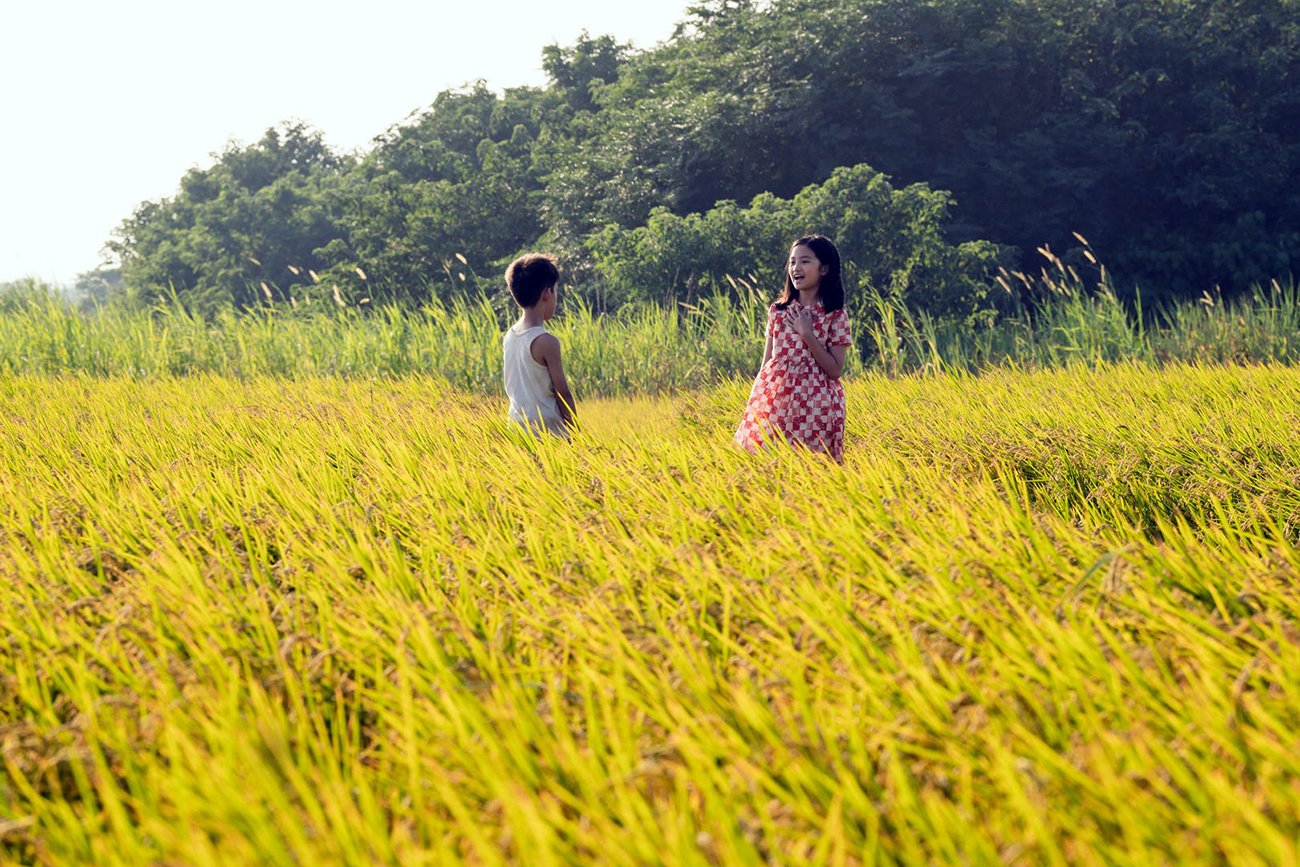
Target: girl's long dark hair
{"x":831,"y":289}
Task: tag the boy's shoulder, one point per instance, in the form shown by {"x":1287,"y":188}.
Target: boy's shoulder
{"x":546,"y":340}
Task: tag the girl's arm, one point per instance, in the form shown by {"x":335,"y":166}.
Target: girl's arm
{"x":767,"y":356}
{"x":830,"y":360}
{"x":546,"y":350}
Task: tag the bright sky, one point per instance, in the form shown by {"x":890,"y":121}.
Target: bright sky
{"x":105,"y":104}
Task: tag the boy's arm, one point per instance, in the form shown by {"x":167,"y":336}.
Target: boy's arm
{"x":546,"y":350}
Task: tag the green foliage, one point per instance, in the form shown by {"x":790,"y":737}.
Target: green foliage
{"x":579,"y":71}
{"x":286,"y":219}
{"x":241,"y":232}
{"x":461,"y":178}
{"x":1164,"y":132}
{"x":99,"y":287}
{"x":29,"y":293}
{"x":890,"y":240}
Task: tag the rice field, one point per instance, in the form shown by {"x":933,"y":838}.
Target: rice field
{"x":1040,"y":617}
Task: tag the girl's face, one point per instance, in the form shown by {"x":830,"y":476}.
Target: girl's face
{"x":805,"y":269}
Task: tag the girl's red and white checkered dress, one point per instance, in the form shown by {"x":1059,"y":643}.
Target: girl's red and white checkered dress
{"x":792,"y":394}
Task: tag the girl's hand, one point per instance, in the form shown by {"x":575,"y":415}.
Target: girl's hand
{"x":802,"y":323}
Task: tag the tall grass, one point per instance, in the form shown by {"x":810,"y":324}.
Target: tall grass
{"x":1057,"y":318}
{"x":1051,"y":319}
{"x":1045,"y":618}
{"x":637,"y":349}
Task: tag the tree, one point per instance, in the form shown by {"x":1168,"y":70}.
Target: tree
{"x":240,"y":232}
{"x":98,"y":288}
{"x":891,"y":241}
{"x":579,"y":70}
{"x":1160,"y":131}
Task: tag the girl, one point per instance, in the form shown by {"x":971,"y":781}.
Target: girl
{"x":797,"y":394}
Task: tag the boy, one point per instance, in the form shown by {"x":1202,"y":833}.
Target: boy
{"x":539,"y":395}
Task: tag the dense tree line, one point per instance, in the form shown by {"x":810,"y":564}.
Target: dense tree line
{"x":1161,"y":130}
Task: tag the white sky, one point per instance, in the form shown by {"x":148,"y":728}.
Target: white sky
{"x":105,"y":104}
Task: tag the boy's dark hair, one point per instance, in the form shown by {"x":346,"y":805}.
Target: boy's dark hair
{"x":530,"y":275}
{"x":831,"y":288}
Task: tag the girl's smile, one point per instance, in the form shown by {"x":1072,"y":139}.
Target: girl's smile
{"x":805,"y":269}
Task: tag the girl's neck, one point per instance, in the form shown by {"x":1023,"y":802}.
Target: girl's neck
{"x":808,"y":297}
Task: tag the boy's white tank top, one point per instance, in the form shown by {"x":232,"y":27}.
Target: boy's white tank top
{"x":528,"y":384}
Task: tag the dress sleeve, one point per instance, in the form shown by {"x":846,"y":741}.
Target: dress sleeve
{"x":837,"y":332}
{"x":772,"y":315}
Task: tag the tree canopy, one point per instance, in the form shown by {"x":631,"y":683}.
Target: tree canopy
{"x":1161,"y":131}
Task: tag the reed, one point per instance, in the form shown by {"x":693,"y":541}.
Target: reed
{"x":1052,"y":319}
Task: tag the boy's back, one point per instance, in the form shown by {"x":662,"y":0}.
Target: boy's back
{"x":534,"y":375}
{"x":528,"y":382}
